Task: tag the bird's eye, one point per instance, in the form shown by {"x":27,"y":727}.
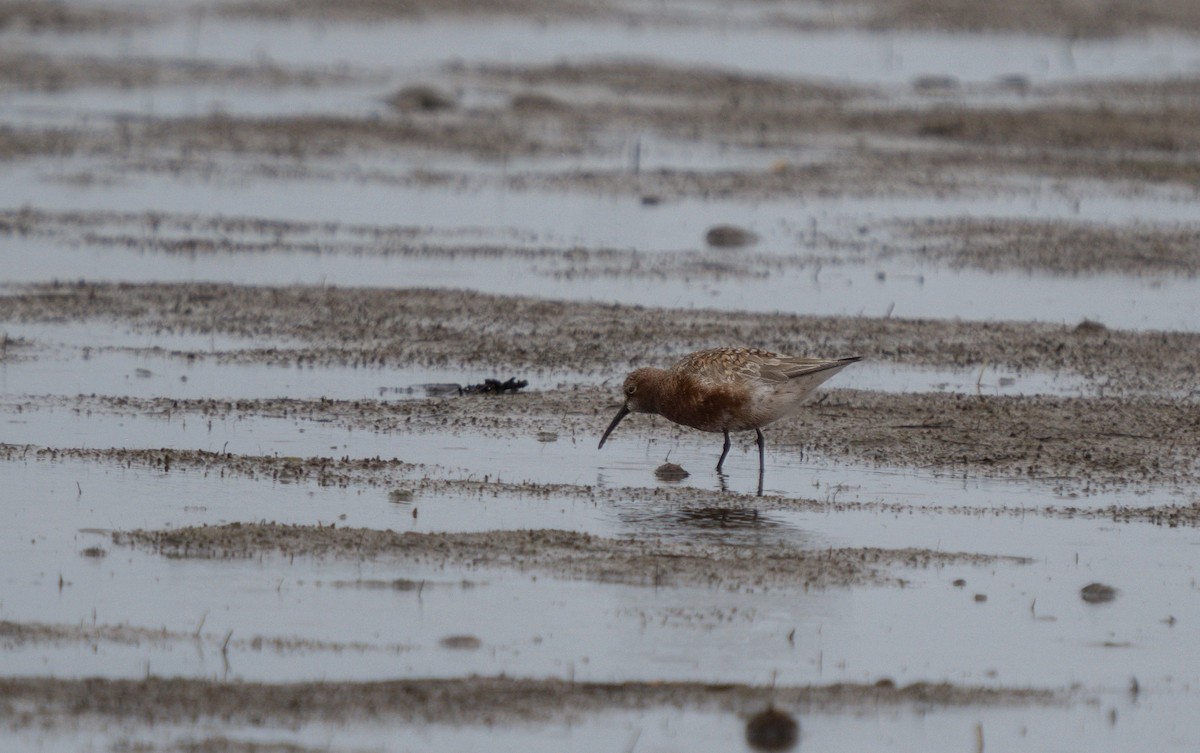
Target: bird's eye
{"x":631,"y":389}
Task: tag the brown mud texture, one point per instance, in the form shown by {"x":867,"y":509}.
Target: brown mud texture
{"x":1134,"y":424}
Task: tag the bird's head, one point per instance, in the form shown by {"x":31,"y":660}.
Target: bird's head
{"x":639,"y":392}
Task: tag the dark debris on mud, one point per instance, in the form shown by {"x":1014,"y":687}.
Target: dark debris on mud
{"x":494,"y":387}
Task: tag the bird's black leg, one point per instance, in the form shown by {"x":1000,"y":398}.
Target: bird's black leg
{"x":761,"y":459}
{"x":724,"y":451}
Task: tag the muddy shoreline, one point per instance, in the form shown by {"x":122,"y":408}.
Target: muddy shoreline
{"x":452,"y":561}
{"x":1077,"y":20}
{"x":369,"y":327}
{"x":1135,"y":427}
{"x":434,"y":483}
{"x":1057,"y":248}
{"x":655,"y":563}
{"x":18,"y":635}
{"x":928,"y":139}
{"x":472,"y":700}
{"x":1077,"y":445}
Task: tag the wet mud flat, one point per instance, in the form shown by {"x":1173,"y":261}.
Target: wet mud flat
{"x":374,"y":327}
{"x":394,"y":564}
{"x":20,"y":634}
{"x":809,"y":139}
{"x":556,"y":552}
{"x":1069,"y":443}
{"x":1134,"y":428}
{"x":1127,"y":474}
{"x":477,"y":702}
{"x":469,"y":701}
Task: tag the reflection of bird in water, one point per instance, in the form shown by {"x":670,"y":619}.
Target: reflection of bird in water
{"x":725,"y":517}
{"x":727,"y":389}
{"x":729,"y":526}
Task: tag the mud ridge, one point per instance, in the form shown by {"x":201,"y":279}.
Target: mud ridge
{"x":20,"y":634}
{"x":322,"y":471}
{"x":471,"y":700}
{"x":871,"y":143}
{"x":36,"y":17}
{"x":995,"y":245}
{"x":42,"y":72}
{"x":433,"y":483}
{"x":659,"y":562}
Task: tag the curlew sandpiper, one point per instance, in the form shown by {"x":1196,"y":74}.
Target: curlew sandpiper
{"x":727,"y":389}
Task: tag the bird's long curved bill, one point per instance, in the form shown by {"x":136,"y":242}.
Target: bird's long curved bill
{"x":620,"y":414}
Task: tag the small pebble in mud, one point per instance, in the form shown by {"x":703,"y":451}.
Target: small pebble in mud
{"x":729,"y":236}
{"x":980,"y":597}
{"x":1097,"y":593}
{"x":94,"y":551}
{"x":547,"y":436}
{"x":671,"y":472}
{"x":650,"y":200}
{"x":958,"y":583}
{"x":1089,"y":327}
{"x":463,"y":642}
{"x":772,"y":730}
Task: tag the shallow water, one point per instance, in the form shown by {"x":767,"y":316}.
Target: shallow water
{"x":849,"y":56}
{"x":900,"y":287}
{"x":570,"y":459}
{"x":905,"y":291}
{"x":1033,"y":629}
